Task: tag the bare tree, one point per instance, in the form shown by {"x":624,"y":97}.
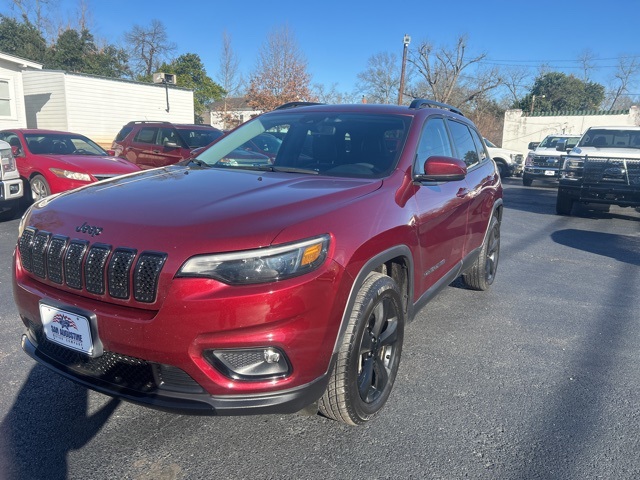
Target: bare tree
{"x":587,"y":60}
{"x":38,"y":14}
{"x":440,"y":73}
{"x":148,"y":47}
{"x":280,"y":75}
{"x":628,"y":68}
{"x":228,"y":78}
{"x":228,"y":75}
{"x":381,"y":80}
{"x":514,"y":80}
{"x":331,"y":94}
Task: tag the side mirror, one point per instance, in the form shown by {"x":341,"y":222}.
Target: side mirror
{"x":533,"y":145}
{"x":561,"y":146}
{"x":442,"y":169}
{"x":16,"y":150}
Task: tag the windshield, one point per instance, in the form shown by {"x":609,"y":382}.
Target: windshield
{"x":199,"y":137}
{"x":609,"y":138}
{"x":62,"y":144}
{"x":336,"y":144}
{"x":552,"y":141}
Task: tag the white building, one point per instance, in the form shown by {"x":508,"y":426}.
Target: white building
{"x":12,"y":112}
{"x":520,"y":128}
{"x":94,"y":106}
{"x":231,"y":112}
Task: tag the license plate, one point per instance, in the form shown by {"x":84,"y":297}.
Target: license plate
{"x":67,"y":329}
{"x":549,"y":173}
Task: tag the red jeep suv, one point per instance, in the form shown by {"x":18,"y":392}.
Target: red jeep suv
{"x":263,"y":288}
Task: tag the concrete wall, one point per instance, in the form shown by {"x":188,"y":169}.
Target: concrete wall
{"x":98,"y":107}
{"x":520,"y":128}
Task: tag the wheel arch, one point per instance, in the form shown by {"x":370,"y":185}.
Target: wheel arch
{"x":397,"y":263}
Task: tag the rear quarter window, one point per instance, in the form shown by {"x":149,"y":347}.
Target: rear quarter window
{"x":122,"y":134}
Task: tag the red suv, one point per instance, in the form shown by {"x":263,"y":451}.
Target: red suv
{"x":156,"y":144}
{"x":263,"y":288}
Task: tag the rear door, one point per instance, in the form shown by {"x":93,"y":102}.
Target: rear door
{"x":481,"y":181}
{"x":141,"y":149}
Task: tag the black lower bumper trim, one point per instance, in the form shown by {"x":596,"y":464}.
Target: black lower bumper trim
{"x":286,"y":401}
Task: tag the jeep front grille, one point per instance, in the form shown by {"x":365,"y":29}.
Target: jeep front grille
{"x":97,"y":268}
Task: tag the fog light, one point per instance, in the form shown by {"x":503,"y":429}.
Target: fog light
{"x":13,"y":189}
{"x":250,"y":363}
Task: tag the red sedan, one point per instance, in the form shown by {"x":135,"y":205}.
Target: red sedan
{"x":52,"y":162}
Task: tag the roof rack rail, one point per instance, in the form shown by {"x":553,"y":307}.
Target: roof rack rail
{"x":135,"y":122}
{"x":422,"y":103}
{"x":297,"y":104}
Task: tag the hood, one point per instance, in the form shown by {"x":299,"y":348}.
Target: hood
{"x":95,"y":163}
{"x":612,"y":152}
{"x":197,"y":210}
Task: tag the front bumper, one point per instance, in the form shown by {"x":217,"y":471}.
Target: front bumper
{"x":11,"y":190}
{"x":159,"y":357}
{"x":550,"y":173}
{"x":623,"y":196}
{"x":164,"y":388}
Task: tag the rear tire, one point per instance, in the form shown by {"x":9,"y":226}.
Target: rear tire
{"x":483,"y":272}
{"x":369,"y":356}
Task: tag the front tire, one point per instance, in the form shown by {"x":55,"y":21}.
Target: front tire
{"x":526,"y":180}
{"x":39,"y":188}
{"x":483,"y":272}
{"x":369,"y":356}
{"x":8,"y":214}
{"x":564,"y":204}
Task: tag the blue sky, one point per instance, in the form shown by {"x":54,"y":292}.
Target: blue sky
{"x":337,"y":37}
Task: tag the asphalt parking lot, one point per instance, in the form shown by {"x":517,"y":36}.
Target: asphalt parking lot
{"x":539,"y":378}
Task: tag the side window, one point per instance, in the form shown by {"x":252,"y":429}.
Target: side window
{"x":466,"y":149}
{"x":434,"y":141}
{"x":168,"y":135}
{"x":482,"y":152}
{"x":146,"y":135}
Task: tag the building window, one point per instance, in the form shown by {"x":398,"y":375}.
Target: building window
{"x":5,"y":98}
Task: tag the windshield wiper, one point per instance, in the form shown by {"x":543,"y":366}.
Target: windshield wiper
{"x":308,"y":171}
{"x":270,"y":168}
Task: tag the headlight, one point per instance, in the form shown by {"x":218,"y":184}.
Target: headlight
{"x":529,"y":159}
{"x":58,"y":172}
{"x":7,"y":162}
{"x":572,"y":164}
{"x":260,"y":265}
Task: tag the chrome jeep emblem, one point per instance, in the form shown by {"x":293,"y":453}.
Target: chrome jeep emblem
{"x":89,"y":229}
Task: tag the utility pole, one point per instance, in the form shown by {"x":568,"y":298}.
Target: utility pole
{"x":406,"y":41}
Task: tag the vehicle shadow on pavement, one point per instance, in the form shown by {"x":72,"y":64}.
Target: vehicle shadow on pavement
{"x":48,"y":419}
{"x":618,"y":247}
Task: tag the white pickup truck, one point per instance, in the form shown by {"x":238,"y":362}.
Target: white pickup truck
{"x":604,"y":168}
{"x":10,"y":183}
